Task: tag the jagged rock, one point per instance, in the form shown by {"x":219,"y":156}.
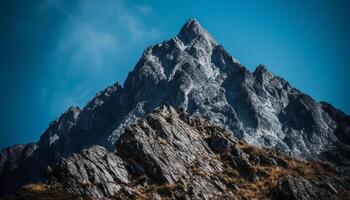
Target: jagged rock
{"x":16,"y":168}
{"x":266,"y":160}
{"x":339,"y":153}
{"x":10,"y":157}
{"x":193,"y":72}
{"x":303,"y":188}
{"x":219,"y":144}
{"x":297,"y":188}
{"x":95,"y":172}
{"x":170,"y":155}
{"x":166,"y":149}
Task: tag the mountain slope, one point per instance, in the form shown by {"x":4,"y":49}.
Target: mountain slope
{"x":192,"y":72}
{"x":170,"y":155}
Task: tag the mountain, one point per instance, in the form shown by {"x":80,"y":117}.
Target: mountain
{"x":171,"y":155}
{"x":194,"y":73}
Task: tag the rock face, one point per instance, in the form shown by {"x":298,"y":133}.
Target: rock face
{"x":300,"y":188}
{"x":16,"y":167}
{"x":165,"y":150}
{"x":94,"y":172}
{"x":192,"y":72}
{"x":169,"y":155}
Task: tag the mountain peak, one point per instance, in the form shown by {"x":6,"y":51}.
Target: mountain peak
{"x":193,"y":22}
{"x":192,"y":30}
{"x":195,"y":74}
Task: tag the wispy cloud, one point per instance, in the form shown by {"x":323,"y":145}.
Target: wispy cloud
{"x":85,"y":45}
{"x":94,"y":29}
{"x":145,"y":9}
{"x":93,"y":37}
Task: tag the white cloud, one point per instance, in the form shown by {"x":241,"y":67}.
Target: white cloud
{"x":146,"y":10}
{"x":93,"y":37}
{"x":85,"y":44}
{"x":92,"y":32}
{"x":134,"y":24}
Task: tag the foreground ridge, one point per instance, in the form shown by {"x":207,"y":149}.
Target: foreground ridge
{"x":170,"y":155}
{"x":191,"y":71}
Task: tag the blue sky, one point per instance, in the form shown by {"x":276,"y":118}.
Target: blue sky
{"x":59,"y":53}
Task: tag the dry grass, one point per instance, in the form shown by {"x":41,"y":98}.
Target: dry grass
{"x":250,"y":149}
{"x":260,"y":189}
{"x":198,"y":171}
{"x":263,"y":187}
{"x":36,"y":187}
{"x":162,"y":141}
{"x":269,"y":176}
{"x":41,"y":192}
{"x":165,"y":191}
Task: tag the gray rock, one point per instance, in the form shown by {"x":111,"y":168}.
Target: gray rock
{"x":297,"y":188}
{"x":94,"y":172}
{"x":170,"y":155}
{"x":266,"y":160}
{"x":169,"y":150}
{"x":16,"y":168}
{"x":193,"y":72}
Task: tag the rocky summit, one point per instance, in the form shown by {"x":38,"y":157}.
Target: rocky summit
{"x":192,"y":73}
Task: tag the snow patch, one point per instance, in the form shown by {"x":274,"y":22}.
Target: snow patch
{"x":53,"y":139}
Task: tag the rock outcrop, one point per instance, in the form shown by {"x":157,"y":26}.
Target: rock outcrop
{"x":297,"y":187}
{"x":94,"y":172}
{"x":170,"y":155}
{"x":193,"y":72}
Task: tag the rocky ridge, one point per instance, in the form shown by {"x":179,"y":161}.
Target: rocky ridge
{"x":170,"y":155}
{"x":193,"y":72}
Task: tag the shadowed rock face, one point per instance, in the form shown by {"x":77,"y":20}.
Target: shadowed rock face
{"x":94,"y":172}
{"x":170,"y":155}
{"x":190,"y":71}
